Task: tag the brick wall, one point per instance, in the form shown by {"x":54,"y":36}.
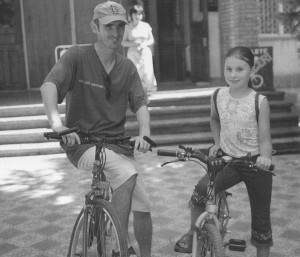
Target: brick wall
{"x":238,"y":22}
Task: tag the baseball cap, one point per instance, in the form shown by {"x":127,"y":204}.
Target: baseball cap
{"x":110,"y":11}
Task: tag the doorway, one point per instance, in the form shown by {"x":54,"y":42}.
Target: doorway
{"x":12,"y":69}
{"x":182,"y":31}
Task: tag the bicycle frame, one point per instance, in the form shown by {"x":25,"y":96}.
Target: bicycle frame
{"x":211,"y":213}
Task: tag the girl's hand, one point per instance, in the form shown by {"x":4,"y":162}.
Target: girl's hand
{"x":213,"y":151}
{"x":263,"y":162}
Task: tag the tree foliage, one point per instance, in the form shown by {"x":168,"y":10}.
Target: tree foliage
{"x":290,"y":18}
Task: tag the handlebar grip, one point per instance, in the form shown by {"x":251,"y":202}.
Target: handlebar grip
{"x":52,"y":135}
{"x":150,"y":141}
{"x":68,"y":131}
{"x":272,"y":167}
{"x":171,"y":153}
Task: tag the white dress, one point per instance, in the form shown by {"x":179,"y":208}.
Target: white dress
{"x":142,"y":58}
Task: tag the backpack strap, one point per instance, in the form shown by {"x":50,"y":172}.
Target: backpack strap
{"x":257,"y":106}
{"x":215,"y":99}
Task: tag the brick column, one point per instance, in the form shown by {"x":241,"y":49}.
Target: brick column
{"x":238,"y":21}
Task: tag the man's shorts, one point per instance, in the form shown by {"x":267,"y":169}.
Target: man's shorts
{"x":118,"y":169}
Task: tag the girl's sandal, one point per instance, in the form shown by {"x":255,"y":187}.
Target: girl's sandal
{"x":184,"y":244}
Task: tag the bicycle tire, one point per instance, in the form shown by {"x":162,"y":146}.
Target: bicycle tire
{"x":223,"y":213}
{"x":94,"y":239}
{"x":210,"y":243}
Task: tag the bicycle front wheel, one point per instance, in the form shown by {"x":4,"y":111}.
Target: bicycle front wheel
{"x":210,"y":243}
{"x":98,"y":233}
{"x":223,"y":213}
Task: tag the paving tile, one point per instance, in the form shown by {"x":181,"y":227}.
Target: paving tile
{"x":5,"y":248}
{"x":22,"y":252}
{"x":291,"y":234}
{"x":49,"y":230}
{"x":10,"y":233}
{"x":53,"y":217}
{"x":293,"y":205}
{"x":15,"y":220}
{"x":45,"y":245}
{"x":21,"y":209}
{"x":27,"y":239}
{"x":54,"y":214}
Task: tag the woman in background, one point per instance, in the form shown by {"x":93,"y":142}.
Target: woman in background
{"x":138,"y":38}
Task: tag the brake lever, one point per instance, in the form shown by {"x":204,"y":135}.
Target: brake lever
{"x":166,"y":163}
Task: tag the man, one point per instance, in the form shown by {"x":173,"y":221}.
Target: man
{"x":98,"y":83}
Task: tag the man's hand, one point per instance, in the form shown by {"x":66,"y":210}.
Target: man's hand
{"x":69,"y":139}
{"x":140,"y":144}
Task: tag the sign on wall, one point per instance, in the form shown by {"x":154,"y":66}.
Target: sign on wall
{"x":263,"y":77}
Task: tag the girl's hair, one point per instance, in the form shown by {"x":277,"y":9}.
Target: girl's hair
{"x":136,"y":9}
{"x":242,"y":53}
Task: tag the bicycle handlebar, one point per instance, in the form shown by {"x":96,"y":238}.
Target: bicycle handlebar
{"x":188,"y":153}
{"x":87,"y":138}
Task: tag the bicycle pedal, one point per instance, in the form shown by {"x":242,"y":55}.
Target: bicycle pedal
{"x":238,"y":245}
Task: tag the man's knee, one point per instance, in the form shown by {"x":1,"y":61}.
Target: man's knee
{"x":128,"y":185}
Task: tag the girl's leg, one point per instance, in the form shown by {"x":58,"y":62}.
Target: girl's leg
{"x":225,"y":179}
{"x":259,"y":186}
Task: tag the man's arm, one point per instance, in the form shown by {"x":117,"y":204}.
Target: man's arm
{"x":143,"y":119}
{"x":49,"y":96}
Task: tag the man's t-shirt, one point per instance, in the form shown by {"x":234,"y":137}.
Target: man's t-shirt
{"x":80,"y":77}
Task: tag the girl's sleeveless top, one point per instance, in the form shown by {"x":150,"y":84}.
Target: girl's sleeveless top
{"x":239,"y":128}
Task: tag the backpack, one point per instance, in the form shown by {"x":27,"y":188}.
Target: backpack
{"x":256,"y":102}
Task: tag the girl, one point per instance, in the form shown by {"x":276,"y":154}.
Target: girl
{"x":236,"y":131}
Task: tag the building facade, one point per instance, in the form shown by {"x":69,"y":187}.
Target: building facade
{"x":191,"y":36}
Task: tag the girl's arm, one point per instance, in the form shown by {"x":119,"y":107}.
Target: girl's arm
{"x":215,"y":128}
{"x":264,"y":135}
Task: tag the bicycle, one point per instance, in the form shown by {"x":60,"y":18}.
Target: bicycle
{"x":97,"y":230}
{"x":211,"y":226}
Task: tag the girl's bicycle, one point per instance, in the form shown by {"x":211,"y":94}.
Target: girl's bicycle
{"x":97,"y":230}
{"x":211,"y":226}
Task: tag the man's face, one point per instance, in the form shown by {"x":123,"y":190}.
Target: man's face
{"x":111,"y":34}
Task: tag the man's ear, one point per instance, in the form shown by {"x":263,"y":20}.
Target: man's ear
{"x":94,"y":27}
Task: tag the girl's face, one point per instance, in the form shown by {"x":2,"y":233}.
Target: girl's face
{"x":237,"y":72}
{"x":136,"y":17}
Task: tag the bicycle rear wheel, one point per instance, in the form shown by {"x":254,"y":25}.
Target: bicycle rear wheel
{"x":210,"y":243}
{"x":98,"y":233}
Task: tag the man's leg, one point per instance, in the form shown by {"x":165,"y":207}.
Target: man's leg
{"x":121,"y":201}
{"x":142,"y":223}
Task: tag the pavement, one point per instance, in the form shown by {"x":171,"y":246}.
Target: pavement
{"x":40,"y":197}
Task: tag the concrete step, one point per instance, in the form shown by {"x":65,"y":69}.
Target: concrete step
{"x":31,"y":129}
{"x":177,"y":117}
{"x":160,"y":117}
{"x":198,"y":97}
